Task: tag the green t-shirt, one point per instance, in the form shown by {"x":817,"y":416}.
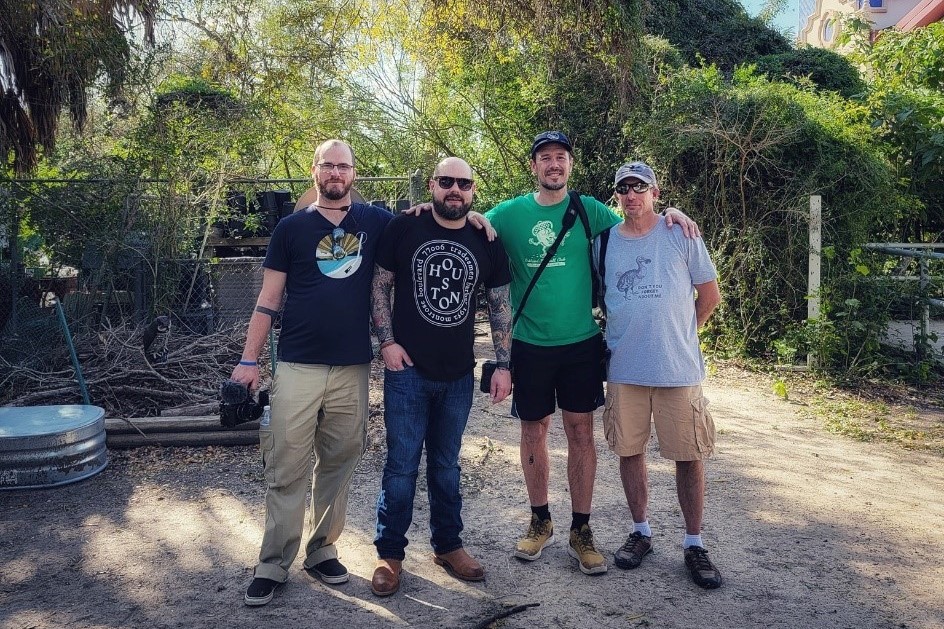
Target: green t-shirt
{"x":558,"y":310}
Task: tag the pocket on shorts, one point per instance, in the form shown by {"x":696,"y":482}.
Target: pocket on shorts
{"x":610,"y":416}
{"x":704,"y":425}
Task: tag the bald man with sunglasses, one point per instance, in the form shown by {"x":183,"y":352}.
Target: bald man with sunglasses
{"x":435,"y":263}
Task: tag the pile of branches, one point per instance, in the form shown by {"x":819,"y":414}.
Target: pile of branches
{"x":176,"y":374}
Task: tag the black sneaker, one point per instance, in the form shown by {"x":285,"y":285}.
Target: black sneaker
{"x":630,"y":554}
{"x":331,"y":571}
{"x":700,"y":567}
{"x":260,"y":591}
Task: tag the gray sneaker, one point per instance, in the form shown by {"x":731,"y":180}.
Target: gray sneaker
{"x":700,"y":567}
{"x":630,"y":554}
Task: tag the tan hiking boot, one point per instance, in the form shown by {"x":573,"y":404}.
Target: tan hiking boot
{"x":539,"y":535}
{"x":582,"y":549}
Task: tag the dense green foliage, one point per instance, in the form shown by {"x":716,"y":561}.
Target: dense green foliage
{"x":744,"y":156}
{"x":716,"y":31}
{"x":824,"y":68}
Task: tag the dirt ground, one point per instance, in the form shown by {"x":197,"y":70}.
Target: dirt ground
{"x":810,"y":529}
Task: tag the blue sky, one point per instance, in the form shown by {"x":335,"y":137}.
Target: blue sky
{"x":787,"y":19}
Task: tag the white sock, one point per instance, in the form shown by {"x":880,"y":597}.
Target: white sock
{"x":692,"y":540}
{"x":642,"y":528}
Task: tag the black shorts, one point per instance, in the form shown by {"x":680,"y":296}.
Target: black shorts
{"x":568,"y":373}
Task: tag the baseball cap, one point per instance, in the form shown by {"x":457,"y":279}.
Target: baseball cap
{"x":551,"y":137}
{"x":636,"y":170}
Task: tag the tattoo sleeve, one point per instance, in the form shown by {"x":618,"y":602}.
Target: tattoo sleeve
{"x":380,"y":304}
{"x":499,"y":318}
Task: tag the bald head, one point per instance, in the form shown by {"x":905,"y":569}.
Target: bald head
{"x":332,"y":144}
{"x":453,"y":167}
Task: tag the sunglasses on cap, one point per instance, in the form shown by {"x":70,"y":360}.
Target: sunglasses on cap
{"x":447,"y":182}
{"x":639,"y":187}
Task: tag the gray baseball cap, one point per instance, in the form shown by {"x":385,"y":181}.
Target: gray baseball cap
{"x":636,"y":170}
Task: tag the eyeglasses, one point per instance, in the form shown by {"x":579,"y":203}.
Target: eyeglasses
{"x":343,"y":169}
{"x":638,"y":188}
{"x":447,"y":182}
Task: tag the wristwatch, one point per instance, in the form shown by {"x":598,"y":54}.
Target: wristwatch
{"x":502,"y":364}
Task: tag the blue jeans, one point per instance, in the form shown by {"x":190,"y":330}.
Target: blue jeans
{"x":418,"y":410}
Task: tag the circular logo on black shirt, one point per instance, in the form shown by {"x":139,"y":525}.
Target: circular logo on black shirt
{"x":445,"y":274}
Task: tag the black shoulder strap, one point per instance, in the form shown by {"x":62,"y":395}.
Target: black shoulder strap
{"x":601,"y":269}
{"x":582,"y":212}
{"x":570,"y":217}
{"x":596,"y":279}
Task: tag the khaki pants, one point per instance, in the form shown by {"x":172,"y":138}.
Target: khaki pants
{"x":318,"y":430}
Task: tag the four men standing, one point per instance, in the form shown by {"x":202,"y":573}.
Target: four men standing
{"x":434,"y":264}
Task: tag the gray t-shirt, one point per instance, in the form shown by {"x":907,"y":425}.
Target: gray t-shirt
{"x":651,"y":327}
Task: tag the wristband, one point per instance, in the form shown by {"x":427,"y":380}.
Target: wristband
{"x":502,"y":364}
{"x":248,"y":363}
{"x":387,"y":343}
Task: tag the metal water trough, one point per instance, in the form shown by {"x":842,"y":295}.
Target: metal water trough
{"x":46,"y":446}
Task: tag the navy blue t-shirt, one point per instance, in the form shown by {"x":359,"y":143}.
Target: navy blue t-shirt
{"x":326,"y":320}
{"x":438,"y":271}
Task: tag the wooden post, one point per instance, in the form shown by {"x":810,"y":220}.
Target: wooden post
{"x":816,"y":251}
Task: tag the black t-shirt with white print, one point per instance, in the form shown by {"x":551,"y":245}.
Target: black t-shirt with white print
{"x":438,"y":271}
{"x":329,"y":269}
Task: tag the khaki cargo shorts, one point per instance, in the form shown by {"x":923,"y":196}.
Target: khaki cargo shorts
{"x":684,"y":426}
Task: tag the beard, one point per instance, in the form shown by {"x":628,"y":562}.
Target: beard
{"x":548,"y":185}
{"x":333,"y":190}
{"x":451,"y":213}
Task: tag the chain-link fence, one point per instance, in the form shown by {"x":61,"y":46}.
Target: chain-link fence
{"x":161,"y":281}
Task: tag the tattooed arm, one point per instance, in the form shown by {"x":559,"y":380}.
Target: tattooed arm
{"x":499,"y":318}
{"x":394,"y":356}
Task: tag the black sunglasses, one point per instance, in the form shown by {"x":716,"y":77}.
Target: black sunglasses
{"x":447,"y":182}
{"x":638,"y":187}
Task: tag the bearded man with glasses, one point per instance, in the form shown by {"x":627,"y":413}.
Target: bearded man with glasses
{"x":435,"y":264}
{"x":322,"y":259}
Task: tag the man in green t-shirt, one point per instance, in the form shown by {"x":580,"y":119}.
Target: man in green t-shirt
{"x":556,"y":348}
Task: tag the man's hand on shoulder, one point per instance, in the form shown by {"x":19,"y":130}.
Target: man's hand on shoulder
{"x":675,"y":216}
{"x":419,"y":208}
{"x":479,"y":221}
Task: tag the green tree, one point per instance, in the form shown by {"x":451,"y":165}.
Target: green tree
{"x":826,"y":69}
{"x":907,"y":76}
{"x":51,"y":53}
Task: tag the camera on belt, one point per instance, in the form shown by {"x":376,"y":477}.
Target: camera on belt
{"x":238,"y":406}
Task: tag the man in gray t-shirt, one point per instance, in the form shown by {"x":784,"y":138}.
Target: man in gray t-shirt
{"x":660,"y":287}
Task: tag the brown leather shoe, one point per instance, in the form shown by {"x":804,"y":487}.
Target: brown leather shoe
{"x":461,"y":565}
{"x":386,"y":579}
